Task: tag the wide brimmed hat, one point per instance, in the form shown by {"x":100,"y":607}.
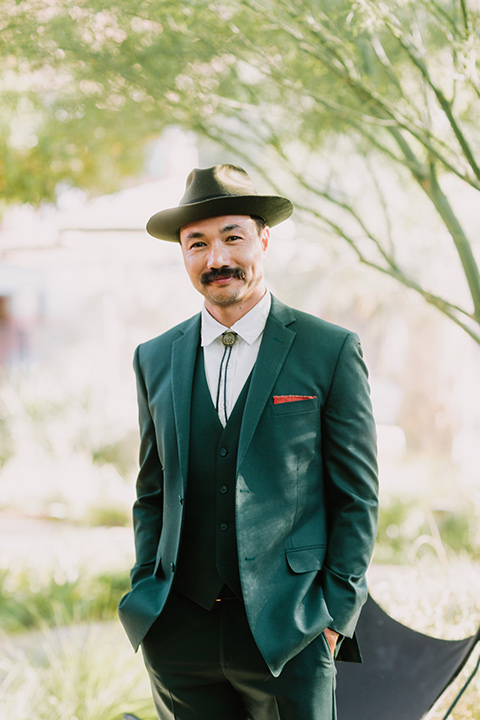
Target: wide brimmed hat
{"x":219,"y":190}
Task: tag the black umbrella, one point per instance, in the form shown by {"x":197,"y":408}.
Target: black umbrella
{"x":403,"y":672}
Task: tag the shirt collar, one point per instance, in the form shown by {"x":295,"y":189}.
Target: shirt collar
{"x":249,"y":327}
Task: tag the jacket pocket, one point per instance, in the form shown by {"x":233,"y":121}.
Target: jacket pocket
{"x":306,"y":559}
{"x":299,"y":406}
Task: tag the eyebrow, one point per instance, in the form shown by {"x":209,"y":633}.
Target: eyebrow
{"x":194,"y":234}
{"x":229,"y":228}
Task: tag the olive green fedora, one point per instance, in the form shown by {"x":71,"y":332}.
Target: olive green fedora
{"x":218,"y":190}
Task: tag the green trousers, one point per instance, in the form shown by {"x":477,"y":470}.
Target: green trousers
{"x":205,"y":665}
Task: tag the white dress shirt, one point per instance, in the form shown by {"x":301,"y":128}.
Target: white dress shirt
{"x":243,"y":355}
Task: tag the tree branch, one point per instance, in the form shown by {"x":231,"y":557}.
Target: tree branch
{"x":446,"y":308}
{"x":444,"y":104}
{"x":435,"y":193}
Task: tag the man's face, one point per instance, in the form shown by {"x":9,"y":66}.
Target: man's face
{"x":224,"y":259}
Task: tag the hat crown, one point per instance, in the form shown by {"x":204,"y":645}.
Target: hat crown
{"x":216,"y":182}
{"x":215,"y":191}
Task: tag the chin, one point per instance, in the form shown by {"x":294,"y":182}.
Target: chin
{"x":225,"y":301}
{"x":229,"y":296}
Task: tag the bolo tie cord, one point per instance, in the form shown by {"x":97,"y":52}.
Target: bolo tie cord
{"x":229,"y":339}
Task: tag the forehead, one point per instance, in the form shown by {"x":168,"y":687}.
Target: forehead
{"x":218,"y":224}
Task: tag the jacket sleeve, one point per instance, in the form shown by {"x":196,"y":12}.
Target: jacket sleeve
{"x":350,"y":467}
{"x":148,"y":506}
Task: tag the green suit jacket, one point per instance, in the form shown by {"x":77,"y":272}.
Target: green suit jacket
{"x":306,"y":487}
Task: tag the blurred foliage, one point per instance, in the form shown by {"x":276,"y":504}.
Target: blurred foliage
{"x":122,"y":454}
{"x":88,"y":672}
{"x":40,"y":409}
{"x":6,"y":441}
{"x":30,"y":601}
{"x":108,"y":515}
{"x":78,"y":439}
{"x":303,"y":92}
{"x":408,"y":528}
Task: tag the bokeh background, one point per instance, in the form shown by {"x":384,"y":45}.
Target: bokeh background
{"x":366,"y":115}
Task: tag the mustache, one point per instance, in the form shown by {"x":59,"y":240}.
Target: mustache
{"x":223,"y":272}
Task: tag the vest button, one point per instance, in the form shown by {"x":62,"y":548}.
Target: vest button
{"x":180,"y":499}
{"x":172,"y":567}
{"x":223,"y":489}
{"x":222,"y":452}
{"x":223,"y":527}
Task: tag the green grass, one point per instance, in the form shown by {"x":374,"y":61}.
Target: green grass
{"x":63,"y":653}
{"x":407,"y":526}
{"x":85,"y":672}
{"x":30,"y":601}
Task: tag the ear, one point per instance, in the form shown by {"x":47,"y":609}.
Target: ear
{"x":265,"y":237}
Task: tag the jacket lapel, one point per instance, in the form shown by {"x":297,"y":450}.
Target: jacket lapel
{"x":275,"y":346}
{"x":184,"y":353}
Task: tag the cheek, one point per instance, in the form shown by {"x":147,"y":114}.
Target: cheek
{"x":193,"y":271}
{"x":256,"y":267}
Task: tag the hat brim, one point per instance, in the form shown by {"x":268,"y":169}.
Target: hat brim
{"x":165,"y":224}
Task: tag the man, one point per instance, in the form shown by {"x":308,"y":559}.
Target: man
{"x":256,"y":501}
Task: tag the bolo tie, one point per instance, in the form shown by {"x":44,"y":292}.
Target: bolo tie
{"x":229,"y":338}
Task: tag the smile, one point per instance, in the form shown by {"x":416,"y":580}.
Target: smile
{"x":222,"y":275}
{"x":222,"y":280}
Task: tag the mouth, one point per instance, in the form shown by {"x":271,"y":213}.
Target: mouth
{"x":222,"y":276}
{"x":222,"y":280}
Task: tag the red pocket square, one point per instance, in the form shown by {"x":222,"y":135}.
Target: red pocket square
{"x":279,"y":399}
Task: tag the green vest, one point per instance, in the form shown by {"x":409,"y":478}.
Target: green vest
{"x":208,"y":550}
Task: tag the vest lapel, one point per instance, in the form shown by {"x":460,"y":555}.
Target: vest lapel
{"x":184,"y":353}
{"x":276,"y":343}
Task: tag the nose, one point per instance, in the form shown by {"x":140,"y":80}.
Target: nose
{"x":218,"y":255}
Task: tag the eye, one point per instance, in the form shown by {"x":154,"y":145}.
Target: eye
{"x":233,"y":237}
{"x":197,"y":244}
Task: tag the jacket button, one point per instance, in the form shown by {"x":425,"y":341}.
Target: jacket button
{"x":180,"y":499}
{"x":223,"y":527}
{"x":223,"y":489}
{"x":222,"y":452}
{"x":172,"y":566}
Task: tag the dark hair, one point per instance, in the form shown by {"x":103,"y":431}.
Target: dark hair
{"x":260,"y":223}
